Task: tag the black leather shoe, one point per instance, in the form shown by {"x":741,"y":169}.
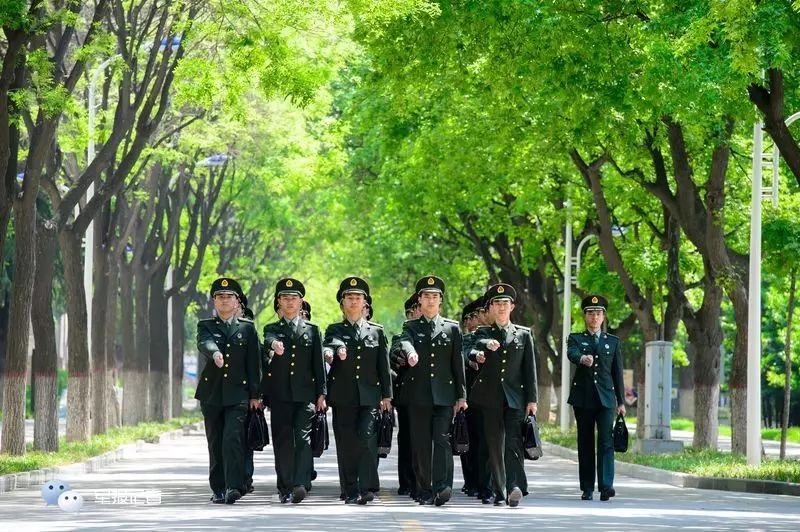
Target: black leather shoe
{"x":232,"y":495}
{"x":607,"y":494}
{"x":425,"y":500}
{"x":286,"y":497}
{"x":514,"y":497}
{"x":298,"y":494}
{"x":403,"y":491}
{"x":351,"y":500}
{"x":498,"y":500}
{"x":366,"y":497}
{"x":442,"y":497}
{"x":586,"y":496}
{"x":486,"y":500}
{"x":314,"y":474}
{"x":218,"y":498}
{"x":249,"y":489}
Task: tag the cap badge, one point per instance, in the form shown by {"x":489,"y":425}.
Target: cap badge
{"x":224,"y":282}
{"x":289,"y":283}
{"x":353,"y":282}
{"x":430,"y":281}
{"x":594,"y":300}
{"x":500,"y":289}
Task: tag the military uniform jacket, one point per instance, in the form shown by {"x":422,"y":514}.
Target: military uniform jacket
{"x":467,"y":342}
{"x":604,"y":375}
{"x":397,"y":371}
{"x":438,"y":377}
{"x":361,"y":379}
{"x":237,"y":380}
{"x":298,"y":375}
{"x":509,"y":374}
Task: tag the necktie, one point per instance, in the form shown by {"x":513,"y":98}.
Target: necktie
{"x":594,"y":340}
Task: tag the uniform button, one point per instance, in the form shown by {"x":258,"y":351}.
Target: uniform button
{"x":291,"y":373}
{"x":504,"y":361}
{"x":595,"y":381}
{"x":480,"y":380}
{"x":229,"y":345}
{"x":358,"y":357}
{"x":292,"y":363}
{"x":503,"y":370}
{"x":359,"y":347}
{"x":357,"y":377}
{"x":206,"y":378}
{"x":431,"y":374}
{"x":451,"y":382}
{"x":226,"y":365}
{"x":501,"y":379}
{"x":227,"y":356}
{"x":269,"y":374}
{"x":225,"y":375}
{"x":294,"y":346}
{"x":244,"y":382}
{"x":333,"y":378}
{"x":358,"y":367}
{"x":505,"y":350}
{"x":432,"y":364}
{"x":292,"y":355}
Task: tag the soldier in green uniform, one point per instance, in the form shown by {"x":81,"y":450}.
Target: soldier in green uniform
{"x":249,"y":467}
{"x":225,"y":389}
{"x":359,"y":384}
{"x":405,"y":466}
{"x":596,"y":397}
{"x":434,"y":389}
{"x":505,"y":391}
{"x":294,"y":385}
{"x":469,"y":461}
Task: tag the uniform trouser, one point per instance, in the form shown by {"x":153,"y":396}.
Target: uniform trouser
{"x":430,"y":446}
{"x":503,"y":430}
{"x":470,"y":460}
{"x":225,"y":436}
{"x":291,"y":441}
{"x":249,"y":466}
{"x":483,"y":477}
{"x":586,"y":419}
{"x":405,"y":464}
{"x":354,"y":430}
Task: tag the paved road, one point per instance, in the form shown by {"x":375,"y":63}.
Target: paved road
{"x":179,"y":470}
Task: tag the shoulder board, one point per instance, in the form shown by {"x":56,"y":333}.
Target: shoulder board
{"x":522,"y":328}
{"x":246,"y":320}
{"x":375,"y":324}
{"x":206,"y":319}
{"x":312,"y":324}
{"x":483,"y":327}
{"x":410,"y":321}
{"x":447,"y":320}
{"x":612,"y":335}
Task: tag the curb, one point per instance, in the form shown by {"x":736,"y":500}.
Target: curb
{"x":29,"y":479}
{"x":686,"y":480}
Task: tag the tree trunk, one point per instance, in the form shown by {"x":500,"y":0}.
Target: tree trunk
{"x":44,"y":364}
{"x":159,"y":349}
{"x":544,"y":380}
{"x":787,"y":383}
{"x":737,"y":383}
{"x":112,"y":403}
{"x":16,"y":370}
{"x":78,"y":366}
{"x":134,"y":396}
{"x":686,"y":386}
{"x":127,"y":339}
{"x":179,"y":304}
{"x":99,"y":312}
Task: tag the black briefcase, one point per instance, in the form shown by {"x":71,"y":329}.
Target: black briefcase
{"x":532,"y":442}
{"x":459,"y":433}
{"x":620,"y":435}
{"x":257,"y":432}
{"x":319,"y":434}
{"x":385,"y":430}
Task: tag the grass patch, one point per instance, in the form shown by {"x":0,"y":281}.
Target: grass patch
{"x":792,"y":436}
{"x":71,"y":452}
{"x":704,"y":463}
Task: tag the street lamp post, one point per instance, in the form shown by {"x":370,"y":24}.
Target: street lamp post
{"x":754,"y":287}
{"x":89,"y":235}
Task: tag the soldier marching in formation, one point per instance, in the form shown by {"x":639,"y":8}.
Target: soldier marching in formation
{"x":429,"y":371}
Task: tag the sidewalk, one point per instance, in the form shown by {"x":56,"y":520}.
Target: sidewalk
{"x":179,"y":469}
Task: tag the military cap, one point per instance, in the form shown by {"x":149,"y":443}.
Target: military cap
{"x":307,"y":308}
{"x":225,"y":285}
{"x":355,"y":285}
{"x":500,"y":291}
{"x":468,"y":310}
{"x":430,"y":283}
{"x":290,"y":286}
{"x":411,"y":302}
{"x":594,"y":302}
